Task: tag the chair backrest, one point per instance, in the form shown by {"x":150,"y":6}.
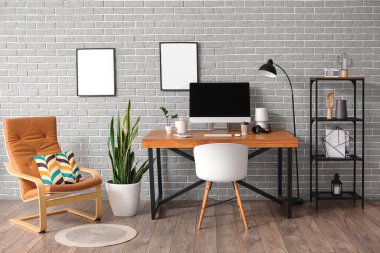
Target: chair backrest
{"x":27,"y":137}
{"x":221,"y":162}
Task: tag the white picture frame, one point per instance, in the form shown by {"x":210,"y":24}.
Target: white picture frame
{"x":336,"y":143}
{"x":96,"y":75}
{"x":178,"y":65}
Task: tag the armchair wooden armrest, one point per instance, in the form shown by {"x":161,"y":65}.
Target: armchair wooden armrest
{"x":93,"y":173}
{"x":36,"y":180}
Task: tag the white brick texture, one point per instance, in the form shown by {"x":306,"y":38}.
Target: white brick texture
{"x":38,"y":73}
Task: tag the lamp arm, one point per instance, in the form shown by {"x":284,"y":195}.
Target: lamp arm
{"x":291,"y":89}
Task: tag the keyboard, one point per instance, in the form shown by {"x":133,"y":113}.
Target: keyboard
{"x":217,"y":135}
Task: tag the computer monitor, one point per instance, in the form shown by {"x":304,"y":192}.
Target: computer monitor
{"x":219,"y":102}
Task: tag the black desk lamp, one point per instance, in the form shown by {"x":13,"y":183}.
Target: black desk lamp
{"x":269,"y":70}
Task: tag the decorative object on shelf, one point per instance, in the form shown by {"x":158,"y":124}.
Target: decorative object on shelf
{"x":169,"y":118}
{"x":96,"y":72}
{"x":244,"y":128}
{"x":329,"y":104}
{"x":261,"y":117}
{"x":124,"y":189}
{"x":341,"y":109}
{"x":344,"y":60}
{"x":332,"y":72}
{"x":337,"y":143}
{"x":269,"y":70}
{"x":178,"y":65}
{"x":181,"y":125}
{"x":336,"y":186}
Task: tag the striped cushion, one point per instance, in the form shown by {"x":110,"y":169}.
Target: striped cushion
{"x":49,"y":170}
{"x":68,"y":166}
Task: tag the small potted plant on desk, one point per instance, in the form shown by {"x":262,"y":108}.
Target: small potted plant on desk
{"x":123,"y":190}
{"x":169,"y":119}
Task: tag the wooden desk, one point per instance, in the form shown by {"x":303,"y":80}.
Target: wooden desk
{"x":278,"y":139}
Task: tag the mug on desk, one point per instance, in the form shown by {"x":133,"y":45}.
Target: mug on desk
{"x":181,"y":126}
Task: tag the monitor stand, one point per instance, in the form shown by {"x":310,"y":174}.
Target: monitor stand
{"x":220,"y":128}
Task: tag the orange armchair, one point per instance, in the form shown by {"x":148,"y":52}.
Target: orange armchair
{"x":27,"y":137}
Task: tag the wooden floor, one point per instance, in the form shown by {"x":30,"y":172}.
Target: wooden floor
{"x":336,"y":227}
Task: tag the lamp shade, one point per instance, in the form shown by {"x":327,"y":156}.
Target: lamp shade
{"x":268,"y":69}
{"x":261,"y":115}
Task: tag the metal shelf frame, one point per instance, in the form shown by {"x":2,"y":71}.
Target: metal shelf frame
{"x":316,"y":158}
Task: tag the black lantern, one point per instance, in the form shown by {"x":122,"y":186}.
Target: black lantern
{"x":336,"y":186}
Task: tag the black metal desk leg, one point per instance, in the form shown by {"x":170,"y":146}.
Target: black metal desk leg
{"x":159,"y":176}
{"x":151,"y":183}
{"x":279,"y":173}
{"x":290,"y":185}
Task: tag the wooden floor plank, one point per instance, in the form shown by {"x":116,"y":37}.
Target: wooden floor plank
{"x":127,"y":221}
{"x":313,"y":236}
{"x":164,"y":231}
{"x":261,"y":213}
{"x":271,"y":238}
{"x":184,"y":235}
{"x":250,"y":240}
{"x":338,"y":240}
{"x":357,"y":237}
{"x":335,"y":227}
{"x":269,"y":233}
{"x":205,"y":238}
{"x":226,"y":230}
{"x":167,"y":219}
{"x":145,"y":227}
{"x":291,"y":234}
{"x":366,"y":229}
{"x":159,"y":244}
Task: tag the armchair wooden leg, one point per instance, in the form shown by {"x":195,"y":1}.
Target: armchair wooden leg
{"x":98,"y":207}
{"x":21,"y":221}
{"x":99,"y":203}
{"x":43,"y":213}
{"x":205,"y":196}
{"x":240,"y":204}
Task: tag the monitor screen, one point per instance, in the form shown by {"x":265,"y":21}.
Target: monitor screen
{"x":220,"y":100}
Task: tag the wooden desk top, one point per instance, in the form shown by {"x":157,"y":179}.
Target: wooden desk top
{"x":275,"y":139}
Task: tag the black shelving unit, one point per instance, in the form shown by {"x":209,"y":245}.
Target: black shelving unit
{"x":316,"y":158}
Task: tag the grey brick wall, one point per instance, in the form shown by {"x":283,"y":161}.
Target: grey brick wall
{"x":37,"y":71}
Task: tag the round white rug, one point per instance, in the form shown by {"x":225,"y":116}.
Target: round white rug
{"x":95,"y":235}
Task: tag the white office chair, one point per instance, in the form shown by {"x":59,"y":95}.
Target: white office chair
{"x":221,"y":162}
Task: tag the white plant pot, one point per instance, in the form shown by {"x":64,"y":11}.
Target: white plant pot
{"x":169,"y":129}
{"x":124,"y":198}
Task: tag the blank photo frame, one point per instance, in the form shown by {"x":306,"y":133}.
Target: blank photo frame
{"x":96,"y":72}
{"x":178,"y":65}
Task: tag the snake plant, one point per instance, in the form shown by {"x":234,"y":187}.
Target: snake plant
{"x":124,"y":168}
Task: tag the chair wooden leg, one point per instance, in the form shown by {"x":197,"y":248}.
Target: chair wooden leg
{"x":241,"y":215}
{"x":205,"y":196}
{"x":240,"y":204}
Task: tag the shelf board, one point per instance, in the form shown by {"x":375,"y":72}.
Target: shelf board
{"x":348,"y":119}
{"x":353,"y":78}
{"x":328,"y":195}
{"x":335,"y":159}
